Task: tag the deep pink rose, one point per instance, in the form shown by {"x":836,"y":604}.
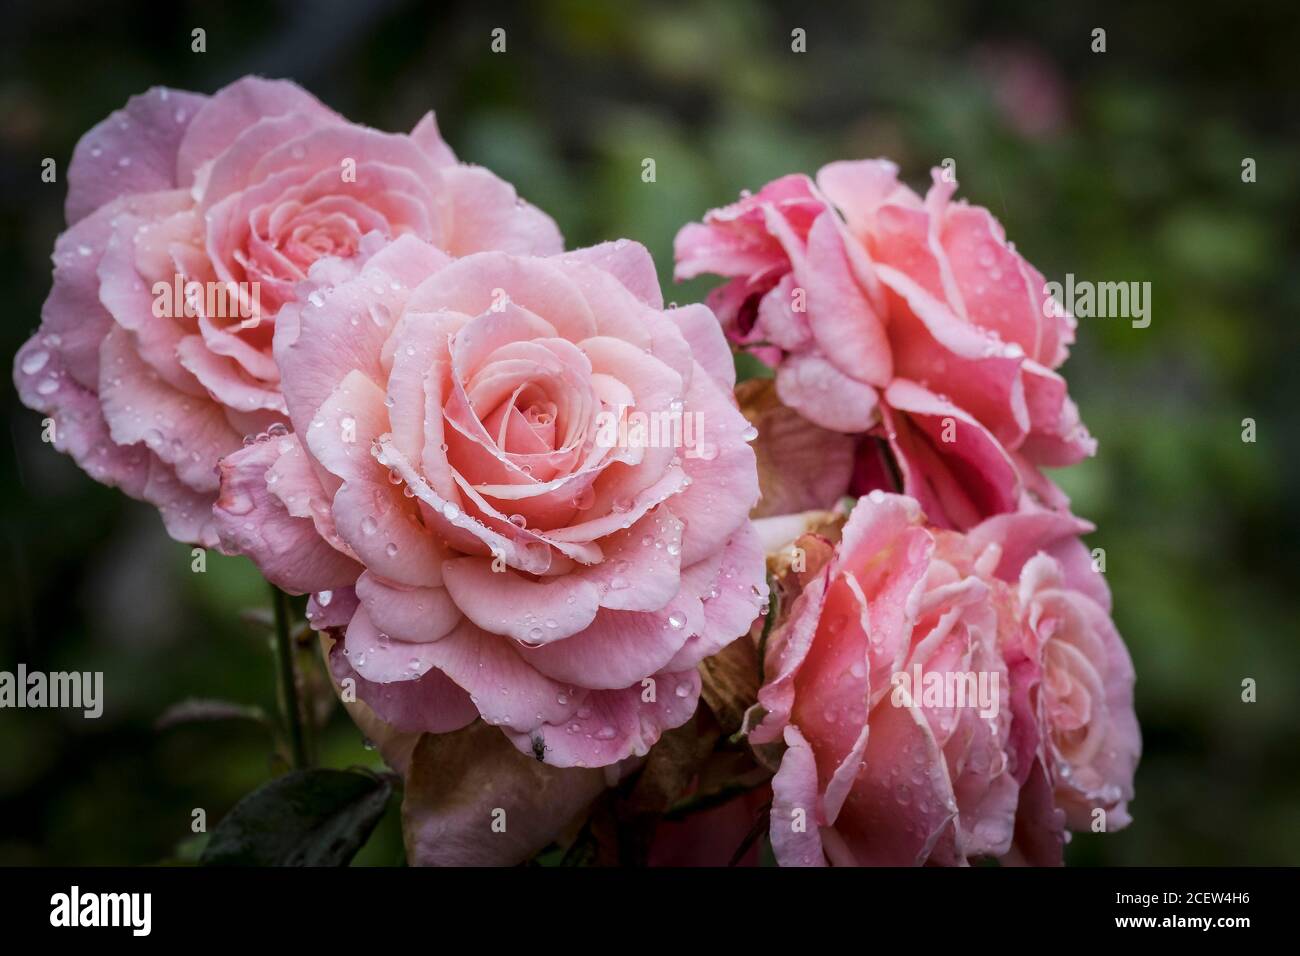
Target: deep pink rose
{"x":887,"y":683}
{"x":1075,"y":731}
{"x":238,"y":194}
{"x":911,"y":319}
{"x":452,"y":496}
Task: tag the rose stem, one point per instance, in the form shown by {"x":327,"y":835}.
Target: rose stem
{"x":287,"y":673}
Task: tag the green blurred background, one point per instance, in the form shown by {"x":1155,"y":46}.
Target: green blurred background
{"x":1124,"y":165}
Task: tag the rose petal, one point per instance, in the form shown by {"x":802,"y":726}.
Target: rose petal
{"x":252,"y":521}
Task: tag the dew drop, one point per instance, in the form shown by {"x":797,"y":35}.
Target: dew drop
{"x":33,"y":362}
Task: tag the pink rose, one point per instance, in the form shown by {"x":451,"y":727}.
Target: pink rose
{"x":887,"y":684}
{"x":1072,"y":683}
{"x":454,"y":495}
{"x":910,"y":319}
{"x":226,"y":200}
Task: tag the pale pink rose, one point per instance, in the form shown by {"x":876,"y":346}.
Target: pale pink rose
{"x":910,"y":319}
{"x":887,"y":762}
{"x":250,"y":185}
{"x":1075,"y":731}
{"x":452,"y":496}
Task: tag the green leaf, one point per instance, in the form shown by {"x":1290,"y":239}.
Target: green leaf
{"x":305,"y":818}
{"x":187,"y":852}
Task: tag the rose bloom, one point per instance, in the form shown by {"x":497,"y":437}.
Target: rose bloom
{"x":878,"y":770}
{"x":447,"y":496}
{"x":1075,"y":731}
{"x":910,"y":319}
{"x":930,"y":782}
{"x":227,"y":200}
